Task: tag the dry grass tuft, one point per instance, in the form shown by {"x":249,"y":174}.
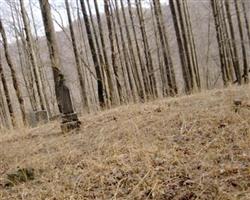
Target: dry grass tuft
{"x":185,"y":148}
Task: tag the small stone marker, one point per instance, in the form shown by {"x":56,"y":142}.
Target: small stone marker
{"x":38,"y":117}
{"x":42,"y":116}
{"x":31,"y":119}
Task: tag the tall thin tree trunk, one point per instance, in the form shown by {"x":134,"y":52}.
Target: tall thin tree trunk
{"x":77,"y":58}
{"x":215,"y":10}
{"x":33,"y":57}
{"x":13,"y":73}
{"x":247,"y":22}
{"x":143,"y":69}
{"x":182,"y":52}
{"x":62,"y":92}
{"x":147,"y":53}
{"x":135,"y":68}
{"x":133,"y":84}
{"x":94,"y":55}
{"x":7,"y":94}
{"x":227,"y":45}
{"x":172,"y":87}
{"x":234,"y":53}
{"x":164,"y":85}
{"x":41,"y":64}
{"x":109,"y":85}
{"x":192,"y":44}
{"x":113,"y":53}
{"x":125,"y":92}
{"x":4,"y":114}
{"x":27,"y":69}
{"x":242,"y":37}
{"x":22,"y":62}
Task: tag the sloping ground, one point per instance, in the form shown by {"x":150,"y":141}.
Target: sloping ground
{"x":185,"y":148}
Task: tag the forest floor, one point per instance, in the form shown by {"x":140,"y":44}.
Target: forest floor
{"x":185,"y":148}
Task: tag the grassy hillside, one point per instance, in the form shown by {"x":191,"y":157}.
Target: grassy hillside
{"x":194,"y":147}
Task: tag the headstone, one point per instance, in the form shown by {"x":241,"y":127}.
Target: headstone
{"x":70,"y":125}
{"x":64,"y":100}
{"x":42,"y":117}
{"x":36,"y":118}
{"x":31,"y":119}
{"x":69,"y":118}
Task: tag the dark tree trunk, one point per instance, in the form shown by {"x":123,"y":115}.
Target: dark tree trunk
{"x":172,"y":87}
{"x":13,"y":73}
{"x":77,"y":57}
{"x":234,"y":53}
{"x":217,"y":23}
{"x":117,"y":97}
{"x":69,"y":118}
{"x":7,"y":94}
{"x":32,"y":55}
{"x":242,"y":37}
{"x":135,"y":67}
{"x":94,"y":55}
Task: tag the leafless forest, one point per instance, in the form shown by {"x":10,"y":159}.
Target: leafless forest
{"x":110,"y":53}
{"x":124,"y":99}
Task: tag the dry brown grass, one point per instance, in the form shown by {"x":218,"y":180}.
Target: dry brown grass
{"x":193,"y":147}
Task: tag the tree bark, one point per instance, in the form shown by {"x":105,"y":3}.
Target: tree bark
{"x":33,"y":57}
{"x":13,"y":73}
{"x":7,"y":94}
{"x":100,"y":86}
{"x":77,"y":58}
{"x":242,"y":37}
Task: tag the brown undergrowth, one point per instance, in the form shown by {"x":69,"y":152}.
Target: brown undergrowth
{"x":186,"y":148}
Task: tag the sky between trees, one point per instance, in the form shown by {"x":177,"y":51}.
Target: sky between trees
{"x":58,"y":11}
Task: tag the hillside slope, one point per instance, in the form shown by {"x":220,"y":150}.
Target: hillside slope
{"x":194,"y":147}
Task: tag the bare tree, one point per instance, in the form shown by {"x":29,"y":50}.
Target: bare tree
{"x":100,"y":85}
{"x":247,"y":22}
{"x":117,"y":84}
{"x":242,"y":37}
{"x":187,"y":51}
{"x":13,"y":73}
{"x":170,"y":74}
{"x":77,"y":57}
{"x":149,"y":72}
{"x":232,"y":40}
{"x":33,"y":57}
{"x":7,"y":94}
{"x":70,"y":120}
{"x":132,"y":56}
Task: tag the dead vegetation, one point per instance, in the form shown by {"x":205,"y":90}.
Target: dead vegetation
{"x":194,"y":147}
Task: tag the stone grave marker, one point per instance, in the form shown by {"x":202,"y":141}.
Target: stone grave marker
{"x":69,"y":118}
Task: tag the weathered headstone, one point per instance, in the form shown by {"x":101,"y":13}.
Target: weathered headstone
{"x":31,"y":119}
{"x":70,"y":120}
{"x":42,"y":116}
{"x":36,"y":118}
